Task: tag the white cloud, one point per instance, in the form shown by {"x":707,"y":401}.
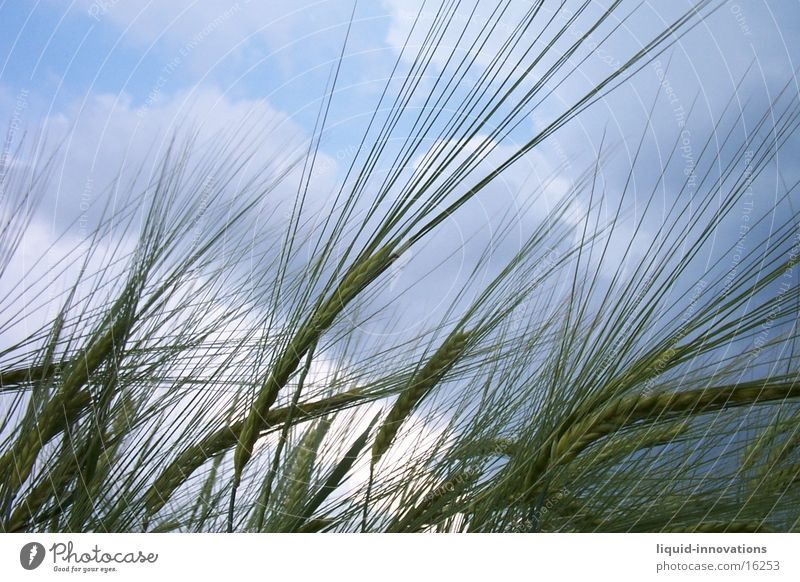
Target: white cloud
{"x":108,"y":150}
{"x":107,"y":137}
{"x":463,"y":21}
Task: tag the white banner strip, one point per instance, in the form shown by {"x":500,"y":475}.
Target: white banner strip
{"x":222,"y":557}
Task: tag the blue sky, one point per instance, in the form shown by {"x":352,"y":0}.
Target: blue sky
{"x":114,"y":78}
{"x":110,"y":81}
{"x":63,"y":53}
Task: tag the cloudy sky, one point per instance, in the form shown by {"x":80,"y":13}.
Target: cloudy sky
{"x":106,"y":84}
{"x":112,"y":80}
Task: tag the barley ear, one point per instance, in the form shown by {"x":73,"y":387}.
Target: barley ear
{"x":356,"y":280}
{"x":179,"y":470}
{"x":421,"y":384}
{"x":626,"y":410}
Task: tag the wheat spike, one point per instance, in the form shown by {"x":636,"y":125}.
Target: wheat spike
{"x":617,"y":449}
{"x":627,"y":410}
{"x":422,"y":382}
{"x":361,"y":275}
{"x":303,"y":468}
{"x":453,"y":486}
{"x":62,"y":409}
{"x":179,"y":470}
{"x":57,"y":415}
{"x":782,"y":479}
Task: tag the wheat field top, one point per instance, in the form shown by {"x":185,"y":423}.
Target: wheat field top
{"x":452,"y":266}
